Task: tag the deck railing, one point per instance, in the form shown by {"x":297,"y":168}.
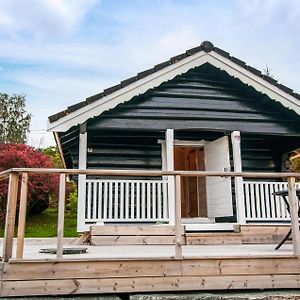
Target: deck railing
{"x":15,"y":174}
{"x":111,"y":200}
{"x":261,"y":204}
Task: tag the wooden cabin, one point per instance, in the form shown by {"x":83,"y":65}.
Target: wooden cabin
{"x":151,"y":156}
{"x":201,"y":110}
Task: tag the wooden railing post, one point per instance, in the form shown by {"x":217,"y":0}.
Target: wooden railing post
{"x":293,"y":200}
{"x":178,"y":246}
{"x":10,"y":215}
{"x":61,"y":212}
{"x":22,"y":216}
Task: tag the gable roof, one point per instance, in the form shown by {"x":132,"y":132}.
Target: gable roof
{"x":205,"y":53}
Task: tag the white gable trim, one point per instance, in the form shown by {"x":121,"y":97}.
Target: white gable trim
{"x":255,"y":81}
{"x":153,"y":80}
{"x":125,"y":94}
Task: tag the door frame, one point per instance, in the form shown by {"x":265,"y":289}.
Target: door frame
{"x":167,"y":155}
{"x":237,"y":161}
{"x":181,"y":143}
{"x":193,"y":203}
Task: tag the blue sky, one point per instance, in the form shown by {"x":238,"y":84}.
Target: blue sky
{"x":59,"y":52}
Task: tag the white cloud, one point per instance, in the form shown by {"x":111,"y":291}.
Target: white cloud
{"x":42,"y":18}
{"x":61,"y":61}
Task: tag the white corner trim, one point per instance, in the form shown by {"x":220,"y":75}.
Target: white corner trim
{"x":125,"y":94}
{"x":253,"y":80}
{"x":60,"y":151}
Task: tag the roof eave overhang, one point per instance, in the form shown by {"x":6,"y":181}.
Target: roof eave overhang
{"x":153,"y":80}
{"x":125,"y":94}
{"x":255,"y":81}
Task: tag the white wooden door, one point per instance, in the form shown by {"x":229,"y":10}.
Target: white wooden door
{"x":218,"y":189}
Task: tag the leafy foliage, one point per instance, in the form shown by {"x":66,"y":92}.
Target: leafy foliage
{"x":52,"y":152}
{"x":72,"y":198}
{"x":40,"y":187}
{"x":295,"y":163}
{"x":14,"y":120}
{"x":71,"y":188}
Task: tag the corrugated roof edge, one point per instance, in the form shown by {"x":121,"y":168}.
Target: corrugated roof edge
{"x":205,"y":46}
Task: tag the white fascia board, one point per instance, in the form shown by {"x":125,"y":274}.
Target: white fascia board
{"x":253,"y":80}
{"x":153,"y":80}
{"x":125,"y":94}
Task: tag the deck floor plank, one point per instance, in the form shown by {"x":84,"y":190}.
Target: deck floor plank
{"x":149,"y":268}
{"x":147,"y":284}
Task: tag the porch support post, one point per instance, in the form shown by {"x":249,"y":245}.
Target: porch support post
{"x":82,"y":164}
{"x":239,"y":187}
{"x":170,"y":167}
{"x":293,"y":201}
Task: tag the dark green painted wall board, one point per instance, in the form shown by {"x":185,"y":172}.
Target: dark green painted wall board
{"x":204,"y":103}
{"x":188,"y":123}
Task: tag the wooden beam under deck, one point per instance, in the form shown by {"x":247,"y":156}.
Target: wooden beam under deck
{"x":24,"y":278}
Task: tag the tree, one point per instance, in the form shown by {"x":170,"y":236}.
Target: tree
{"x":40,"y":187}
{"x":295,"y":163}
{"x":53,"y":153}
{"x":14,"y":120}
{"x":71,"y":187}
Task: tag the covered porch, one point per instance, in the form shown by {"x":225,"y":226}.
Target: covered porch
{"x":215,"y":203}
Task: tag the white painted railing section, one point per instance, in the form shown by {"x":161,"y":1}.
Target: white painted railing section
{"x":126,"y":201}
{"x":261,"y":204}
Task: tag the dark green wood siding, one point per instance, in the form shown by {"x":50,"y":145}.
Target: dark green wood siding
{"x":204,"y":103}
{"x":203,"y":98}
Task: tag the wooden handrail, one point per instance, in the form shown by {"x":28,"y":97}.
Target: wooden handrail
{"x":14,"y":174}
{"x":152,"y":173}
{"x":5,"y":174}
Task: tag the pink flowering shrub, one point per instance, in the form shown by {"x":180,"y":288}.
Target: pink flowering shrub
{"x":40,"y":186}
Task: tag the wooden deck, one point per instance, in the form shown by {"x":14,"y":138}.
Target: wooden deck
{"x":118,"y":268}
{"x":144,"y":268}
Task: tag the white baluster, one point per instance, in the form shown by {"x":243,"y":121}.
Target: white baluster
{"x":143,"y":200}
{"x":138,"y":204}
{"x":122,"y":200}
{"x":154,"y":200}
{"x":116,"y":203}
{"x":159,"y":212}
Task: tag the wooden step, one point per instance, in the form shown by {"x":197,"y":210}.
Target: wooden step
{"x":263,"y":234}
{"x":134,"y":235}
{"x":213,"y":238}
{"x":244,"y":234}
{"x":164,"y":235}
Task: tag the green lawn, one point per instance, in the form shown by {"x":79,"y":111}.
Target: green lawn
{"x":45,"y":224}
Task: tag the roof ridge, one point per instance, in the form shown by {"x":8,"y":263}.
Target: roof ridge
{"x":205,"y":46}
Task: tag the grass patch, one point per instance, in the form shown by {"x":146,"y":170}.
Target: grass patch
{"x":45,"y":224}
